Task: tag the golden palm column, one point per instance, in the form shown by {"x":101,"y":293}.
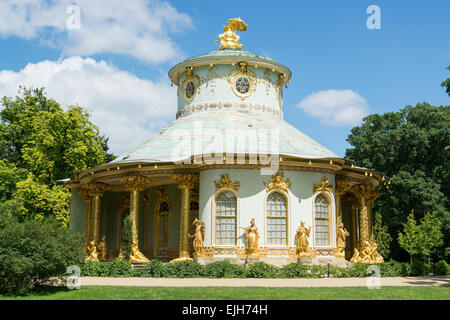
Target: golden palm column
{"x":95,"y":191}
{"x":342,"y":186}
{"x":353,"y":203}
{"x":87,"y":217}
{"x":366,"y":195}
{"x":185,"y":183}
{"x":135,"y":184}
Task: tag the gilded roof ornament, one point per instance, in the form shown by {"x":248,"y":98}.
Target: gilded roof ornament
{"x":225,"y":182}
{"x":229,"y":39}
{"x":278,"y":183}
{"x":323,"y":186}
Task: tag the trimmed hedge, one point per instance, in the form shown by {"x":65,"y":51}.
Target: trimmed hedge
{"x":225,"y":269}
{"x":442,"y":268}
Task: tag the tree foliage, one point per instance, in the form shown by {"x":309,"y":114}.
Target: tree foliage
{"x":41,"y":143}
{"x":421,"y":239}
{"x":381,"y":236}
{"x":34,"y":251}
{"x":412,"y":148}
{"x":127,"y":238}
{"x":446,"y":83}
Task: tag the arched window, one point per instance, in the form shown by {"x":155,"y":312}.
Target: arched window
{"x":321,"y":220}
{"x":276,"y":215}
{"x":226,"y":214}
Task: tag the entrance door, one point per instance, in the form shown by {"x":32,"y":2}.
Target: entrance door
{"x":162,"y":250}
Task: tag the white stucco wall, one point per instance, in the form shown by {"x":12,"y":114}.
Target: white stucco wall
{"x":251,"y":202}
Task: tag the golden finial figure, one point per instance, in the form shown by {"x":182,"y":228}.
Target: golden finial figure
{"x":229,"y":39}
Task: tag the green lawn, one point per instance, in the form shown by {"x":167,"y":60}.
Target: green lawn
{"x":230,"y":293}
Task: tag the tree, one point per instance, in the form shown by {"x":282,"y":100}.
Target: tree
{"x":410,"y":239}
{"x":381,"y":236}
{"x":431,"y":233}
{"x":411,"y":147}
{"x":41,"y":143}
{"x":127,"y":238}
{"x":446,"y":83}
{"x":421,"y":239}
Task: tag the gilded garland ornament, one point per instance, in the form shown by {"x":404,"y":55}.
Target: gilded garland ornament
{"x":278,"y":183}
{"x":225,"y":182}
{"x":342,"y":186}
{"x":242,"y":80}
{"x":190,"y":84}
{"x":323,"y":186}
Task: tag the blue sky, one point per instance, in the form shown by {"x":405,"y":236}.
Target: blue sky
{"x":116,"y":63}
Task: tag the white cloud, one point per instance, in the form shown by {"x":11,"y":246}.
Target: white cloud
{"x":126,"y":108}
{"x":335,"y":107}
{"x":137,"y":28}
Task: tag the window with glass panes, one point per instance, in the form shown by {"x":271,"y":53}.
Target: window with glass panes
{"x":226,"y":208}
{"x":321,"y":220}
{"x":276,"y":214}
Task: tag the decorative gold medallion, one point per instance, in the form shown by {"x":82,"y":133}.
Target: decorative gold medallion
{"x":242,"y":80}
{"x":190,"y":84}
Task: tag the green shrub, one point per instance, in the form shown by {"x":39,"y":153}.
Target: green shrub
{"x":184,"y":269}
{"x":442,"y":268}
{"x":418,"y":268}
{"x":391,"y":269}
{"x":224,"y":269}
{"x":358,"y":270}
{"x":405,"y":269}
{"x":262,"y":270}
{"x":127,"y":238}
{"x":120,"y":268}
{"x":295,"y":270}
{"x":154,"y":269}
{"x":33,"y":251}
{"x":340,"y":272}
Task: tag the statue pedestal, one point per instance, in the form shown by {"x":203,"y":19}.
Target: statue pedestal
{"x":305,"y":259}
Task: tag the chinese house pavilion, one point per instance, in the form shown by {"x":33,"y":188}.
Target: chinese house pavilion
{"x":229,"y":178}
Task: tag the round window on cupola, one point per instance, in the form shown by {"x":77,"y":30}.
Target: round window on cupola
{"x":190,"y":84}
{"x":190,"y":89}
{"x":242,"y":84}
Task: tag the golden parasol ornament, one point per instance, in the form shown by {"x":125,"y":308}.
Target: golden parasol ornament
{"x":237,"y":24}
{"x":229,"y":39}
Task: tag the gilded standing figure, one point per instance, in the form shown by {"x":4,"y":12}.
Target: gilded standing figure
{"x":302,"y":234}
{"x":251,"y":234}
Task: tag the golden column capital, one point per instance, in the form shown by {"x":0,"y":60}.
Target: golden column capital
{"x":342,"y":186}
{"x":184,"y":181}
{"x":365,"y":191}
{"x":135,"y":183}
{"x":95,"y":189}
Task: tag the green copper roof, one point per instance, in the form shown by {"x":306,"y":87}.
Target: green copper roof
{"x":229,"y":53}
{"x":215,"y":129}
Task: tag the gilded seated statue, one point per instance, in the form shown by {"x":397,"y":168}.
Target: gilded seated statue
{"x":136,"y":255}
{"x":92,"y":253}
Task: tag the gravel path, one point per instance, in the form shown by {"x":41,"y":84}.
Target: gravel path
{"x":324,"y":282}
